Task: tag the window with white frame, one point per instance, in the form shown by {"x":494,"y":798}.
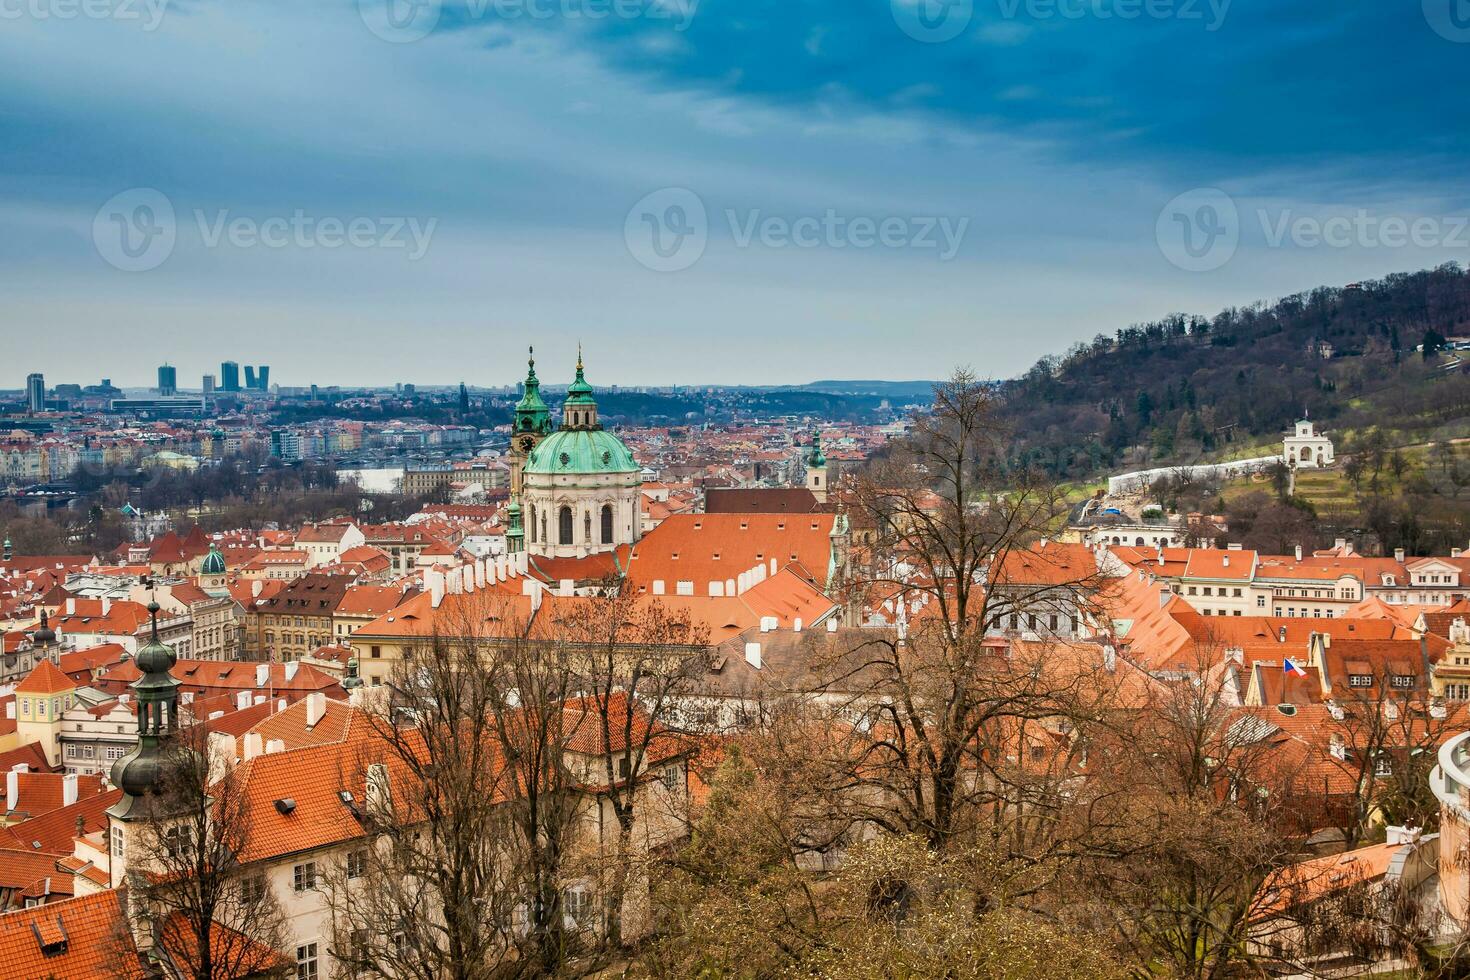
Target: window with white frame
{"x":303,"y":876}
{"x":307,"y":965}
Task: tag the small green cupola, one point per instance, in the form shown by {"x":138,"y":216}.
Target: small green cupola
{"x":515,"y":533}
{"x":214,"y":562}
{"x":532,"y":415}
{"x":579,"y":411}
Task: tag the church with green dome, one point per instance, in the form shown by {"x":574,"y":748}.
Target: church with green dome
{"x":575,"y":489}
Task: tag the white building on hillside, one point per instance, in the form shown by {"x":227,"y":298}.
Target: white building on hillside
{"x":1306,"y":448}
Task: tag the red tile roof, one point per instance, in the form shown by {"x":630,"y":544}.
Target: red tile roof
{"x":45,"y":678}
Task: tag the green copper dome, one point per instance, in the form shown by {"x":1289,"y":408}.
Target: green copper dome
{"x":572,"y":451}
{"x":214,"y":562}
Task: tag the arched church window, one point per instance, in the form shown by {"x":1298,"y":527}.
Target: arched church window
{"x":564,"y":519}
{"x":607,"y":518}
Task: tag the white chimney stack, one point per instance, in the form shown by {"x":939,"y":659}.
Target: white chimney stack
{"x":274,"y":745}
{"x":1298,"y":552}
{"x":68,"y":789}
{"x":12,"y":790}
{"x":316,"y":706}
{"x":796,"y":625}
{"x":753,"y":654}
{"x":252,"y":745}
{"x":262,"y":674}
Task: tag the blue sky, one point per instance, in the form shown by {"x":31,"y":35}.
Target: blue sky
{"x":1027,"y":172}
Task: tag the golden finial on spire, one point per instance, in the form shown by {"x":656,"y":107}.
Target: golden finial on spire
{"x":579,"y":355}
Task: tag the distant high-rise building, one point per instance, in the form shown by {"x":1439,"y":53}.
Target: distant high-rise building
{"x":263,"y":377}
{"x":464,"y":399}
{"x":208,"y":384}
{"x":35,"y":392}
{"x":168,"y":380}
{"x":229,"y":376}
{"x":249,"y":377}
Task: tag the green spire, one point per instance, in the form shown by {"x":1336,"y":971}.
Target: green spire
{"x":579,"y":391}
{"x":815,"y":459}
{"x":157,"y":696}
{"x":532,"y":415}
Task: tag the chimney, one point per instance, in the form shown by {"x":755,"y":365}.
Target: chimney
{"x":255,"y":586}
{"x":242,"y":700}
{"x":1225,"y":560}
{"x":262,"y":674}
{"x":1281,"y":635}
{"x":1456,"y":552}
{"x":12,"y":790}
{"x":252,"y":745}
{"x":379,"y":791}
{"x":1403,"y":835}
{"x":275,"y":745}
{"x":768,"y":623}
{"x":68,"y":789}
{"x":1398,"y":555}
{"x":106,"y":605}
{"x":753,"y":654}
{"x":316,"y":706}
{"x":1298,"y":552}
{"x":71,"y":605}
{"x":796,"y":625}
{"x":1339,"y":543}
{"x":291,"y":670}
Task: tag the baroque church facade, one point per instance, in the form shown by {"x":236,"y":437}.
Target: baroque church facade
{"x":574,"y":487}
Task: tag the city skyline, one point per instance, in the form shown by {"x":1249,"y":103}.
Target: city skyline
{"x":379,"y":207}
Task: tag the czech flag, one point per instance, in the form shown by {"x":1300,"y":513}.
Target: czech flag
{"x":1291,"y":669}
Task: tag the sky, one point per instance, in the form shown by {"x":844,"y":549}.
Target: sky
{"x":697,"y":191}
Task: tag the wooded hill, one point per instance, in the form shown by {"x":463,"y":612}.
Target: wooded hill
{"x":1187,"y":387}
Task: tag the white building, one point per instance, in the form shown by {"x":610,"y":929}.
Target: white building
{"x":1306,"y":448}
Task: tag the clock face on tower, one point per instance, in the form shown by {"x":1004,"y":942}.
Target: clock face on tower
{"x":527,"y":444}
